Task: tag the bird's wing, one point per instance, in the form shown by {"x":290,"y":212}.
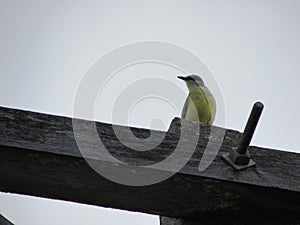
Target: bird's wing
{"x":212,"y":104}
{"x":185,"y":107}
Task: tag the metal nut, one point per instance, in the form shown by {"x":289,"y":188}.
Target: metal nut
{"x":239,"y":159}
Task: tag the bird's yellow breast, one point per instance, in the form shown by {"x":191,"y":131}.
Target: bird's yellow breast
{"x":202,"y":106}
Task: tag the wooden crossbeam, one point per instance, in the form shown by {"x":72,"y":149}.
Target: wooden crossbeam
{"x":39,"y":156}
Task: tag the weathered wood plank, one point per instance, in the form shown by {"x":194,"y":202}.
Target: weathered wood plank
{"x":261,"y":218}
{"x":39,"y":156}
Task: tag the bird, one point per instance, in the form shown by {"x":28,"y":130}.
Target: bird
{"x":200,"y":105}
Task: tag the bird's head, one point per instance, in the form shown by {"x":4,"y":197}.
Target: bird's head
{"x":192,"y":81}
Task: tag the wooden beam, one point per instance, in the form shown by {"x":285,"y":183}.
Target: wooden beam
{"x":40,"y":157}
{"x":261,"y":218}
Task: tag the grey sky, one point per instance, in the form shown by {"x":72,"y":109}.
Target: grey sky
{"x":252,"y":48}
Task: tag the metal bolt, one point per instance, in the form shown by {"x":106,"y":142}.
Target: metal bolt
{"x":239,"y":157}
{"x":250,"y":127}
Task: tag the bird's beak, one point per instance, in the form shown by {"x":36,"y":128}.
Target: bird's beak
{"x":182,"y":78}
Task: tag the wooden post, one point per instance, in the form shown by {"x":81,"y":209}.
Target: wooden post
{"x":39,"y":157}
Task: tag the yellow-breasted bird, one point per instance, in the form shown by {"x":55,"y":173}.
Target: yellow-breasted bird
{"x":200,"y":105}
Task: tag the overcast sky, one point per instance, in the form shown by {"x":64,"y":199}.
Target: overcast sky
{"x":251,"y":48}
